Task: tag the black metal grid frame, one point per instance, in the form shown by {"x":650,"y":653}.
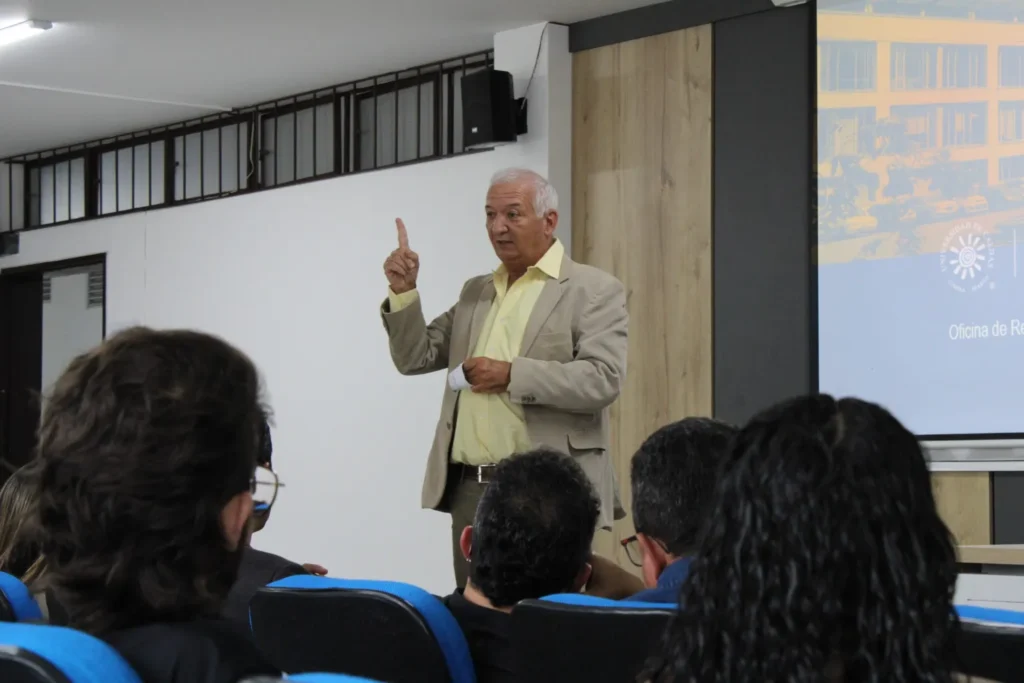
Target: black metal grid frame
{"x":344,"y":100}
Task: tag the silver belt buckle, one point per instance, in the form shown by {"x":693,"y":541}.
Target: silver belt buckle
{"x":480,"y":472}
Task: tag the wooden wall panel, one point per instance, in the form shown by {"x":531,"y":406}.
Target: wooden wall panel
{"x":642,"y":203}
{"x":964,"y":500}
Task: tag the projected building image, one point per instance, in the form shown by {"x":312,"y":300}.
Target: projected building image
{"x":920,"y":124}
{"x":920,"y":172}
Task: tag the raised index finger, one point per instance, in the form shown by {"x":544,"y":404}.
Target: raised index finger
{"x":403,"y":236}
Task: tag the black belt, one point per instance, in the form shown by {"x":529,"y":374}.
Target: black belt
{"x":480,"y":475}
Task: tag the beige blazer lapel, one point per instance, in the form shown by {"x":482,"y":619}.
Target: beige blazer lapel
{"x":546,"y":302}
{"x":479,"y":316}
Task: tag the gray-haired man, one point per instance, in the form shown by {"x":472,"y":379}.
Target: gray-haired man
{"x":538,"y":350}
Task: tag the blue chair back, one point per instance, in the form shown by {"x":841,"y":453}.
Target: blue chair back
{"x":328,"y":678}
{"x":16,"y":602}
{"x":309,"y":678}
{"x":34,"y":653}
{"x":377,"y":629}
{"x":567,"y":638}
{"x":990,"y":643}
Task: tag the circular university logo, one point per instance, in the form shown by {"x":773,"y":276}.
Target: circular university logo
{"x":967,"y":258}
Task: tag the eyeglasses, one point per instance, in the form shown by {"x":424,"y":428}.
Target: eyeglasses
{"x":264,"y":486}
{"x":632,"y":548}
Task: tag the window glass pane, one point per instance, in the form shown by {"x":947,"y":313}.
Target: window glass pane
{"x":131,"y":178}
{"x":77,"y":193}
{"x":847,"y":65}
{"x":965,"y":124}
{"x":12,"y":196}
{"x":186,"y":168}
{"x":44,"y":189}
{"x":963,"y":66}
{"x":407,"y":121}
{"x":33,"y":197}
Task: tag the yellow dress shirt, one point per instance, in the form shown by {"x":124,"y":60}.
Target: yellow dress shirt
{"x":490,"y":427}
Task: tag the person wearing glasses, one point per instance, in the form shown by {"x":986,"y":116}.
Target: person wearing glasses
{"x":259,"y":568}
{"x":674,"y":475}
{"x":147,"y":449}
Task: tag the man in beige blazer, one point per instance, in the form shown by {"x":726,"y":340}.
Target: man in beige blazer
{"x":541,"y":343}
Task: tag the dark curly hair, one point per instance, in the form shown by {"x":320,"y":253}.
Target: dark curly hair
{"x":142,"y":443}
{"x":533,"y":528}
{"x":824,"y":553}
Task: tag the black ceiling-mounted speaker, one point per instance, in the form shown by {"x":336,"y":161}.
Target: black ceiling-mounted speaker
{"x":491,"y":114}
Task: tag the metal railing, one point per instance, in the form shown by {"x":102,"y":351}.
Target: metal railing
{"x":397,"y":118}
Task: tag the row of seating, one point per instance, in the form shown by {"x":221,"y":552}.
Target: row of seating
{"x":306,"y":623}
{"x":401,"y":634}
{"x":35,"y":653}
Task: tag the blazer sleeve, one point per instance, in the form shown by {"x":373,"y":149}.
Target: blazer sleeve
{"x":287,"y":569}
{"x":416,"y":347}
{"x":593,"y":379}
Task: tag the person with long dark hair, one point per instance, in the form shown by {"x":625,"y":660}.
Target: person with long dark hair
{"x":146,"y":459}
{"x":824,"y":558}
{"x":19,"y":554}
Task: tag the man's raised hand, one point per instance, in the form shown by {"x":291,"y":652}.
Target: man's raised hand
{"x":402,"y":266}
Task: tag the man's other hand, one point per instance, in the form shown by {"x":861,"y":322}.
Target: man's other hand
{"x":609,"y":580}
{"x":402,"y":266}
{"x":315,"y":569}
{"x":488,"y":376}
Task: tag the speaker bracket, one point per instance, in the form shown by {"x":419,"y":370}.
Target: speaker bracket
{"x":521,"y":110}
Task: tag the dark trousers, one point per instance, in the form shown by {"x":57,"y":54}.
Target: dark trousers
{"x":463,"y":493}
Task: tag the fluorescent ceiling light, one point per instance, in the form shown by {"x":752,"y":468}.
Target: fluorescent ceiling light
{"x":26,"y":29}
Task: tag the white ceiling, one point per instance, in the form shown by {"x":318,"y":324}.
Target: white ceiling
{"x":226,"y":53}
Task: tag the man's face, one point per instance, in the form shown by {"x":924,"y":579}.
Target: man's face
{"x":519,"y":236}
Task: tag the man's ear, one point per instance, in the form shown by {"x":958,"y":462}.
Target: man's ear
{"x":655,"y":559}
{"x":582,"y":578}
{"x":466,"y":543}
{"x":550,"y":223}
{"x":234,"y":519}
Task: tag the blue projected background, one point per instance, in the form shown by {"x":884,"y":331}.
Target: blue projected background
{"x":921,"y":210}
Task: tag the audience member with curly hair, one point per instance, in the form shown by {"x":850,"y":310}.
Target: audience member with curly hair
{"x":531,"y":537}
{"x":147,"y":450}
{"x":824,"y":558}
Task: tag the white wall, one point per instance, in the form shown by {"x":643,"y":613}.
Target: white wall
{"x":1000,"y":591}
{"x":70,"y":327}
{"x":294,"y":277}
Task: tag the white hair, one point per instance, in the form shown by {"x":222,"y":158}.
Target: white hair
{"x":545,"y":198}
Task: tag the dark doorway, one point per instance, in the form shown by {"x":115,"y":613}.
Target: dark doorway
{"x":24,"y":298}
{"x":21,"y":360}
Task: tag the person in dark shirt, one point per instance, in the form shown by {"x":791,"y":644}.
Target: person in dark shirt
{"x":531,"y":537}
{"x":673,"y":476}
{"x":259,"y":568}
{"x":202,"y":651}
{"x":147,"y":450}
